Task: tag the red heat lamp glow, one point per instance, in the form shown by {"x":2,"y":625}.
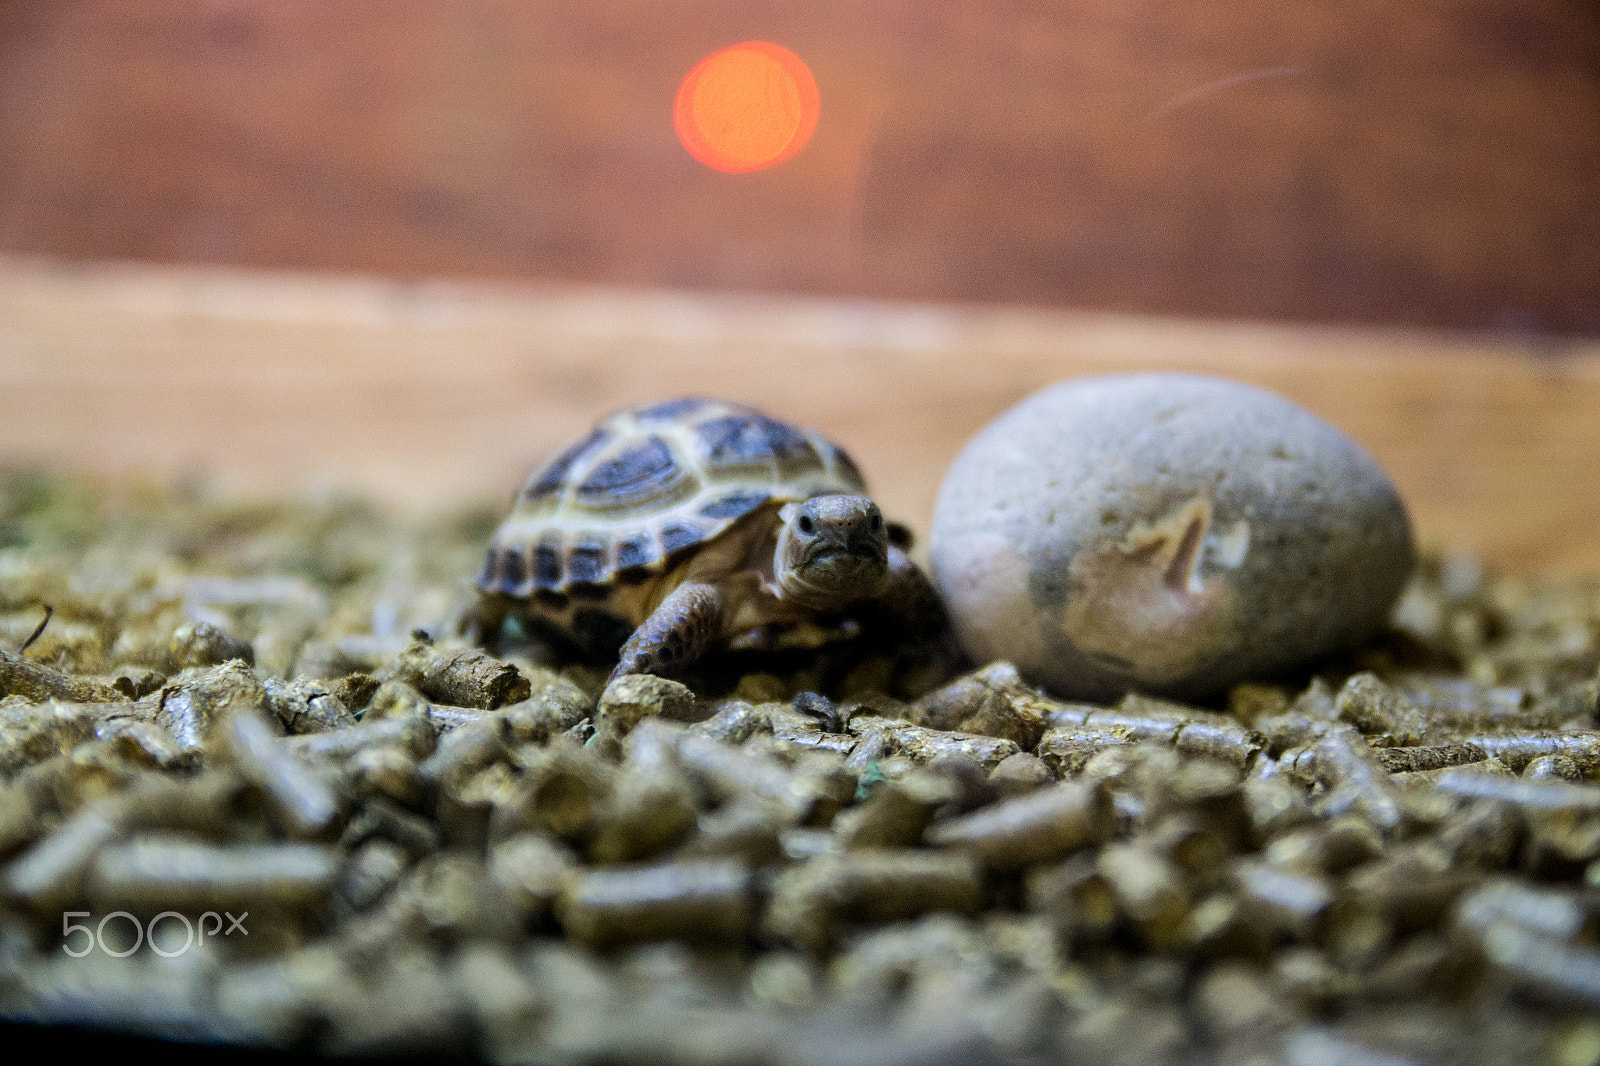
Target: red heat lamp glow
{"x":746,"y":107}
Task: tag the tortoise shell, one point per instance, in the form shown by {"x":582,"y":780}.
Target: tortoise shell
{"x":647,"y":486}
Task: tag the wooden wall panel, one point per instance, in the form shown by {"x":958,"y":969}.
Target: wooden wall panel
{"x":1362,"y":161}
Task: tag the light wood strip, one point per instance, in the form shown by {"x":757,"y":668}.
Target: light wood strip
{"x":433,"y":393}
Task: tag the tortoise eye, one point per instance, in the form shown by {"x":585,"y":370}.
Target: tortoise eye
{"x":806,"y":524}
{"x":877,"y":523}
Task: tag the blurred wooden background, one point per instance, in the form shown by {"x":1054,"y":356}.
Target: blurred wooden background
{"x":1425,"y":163}
{"x":1000,"y":193}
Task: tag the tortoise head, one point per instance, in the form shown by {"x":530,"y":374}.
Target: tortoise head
{"x":832,"y":551}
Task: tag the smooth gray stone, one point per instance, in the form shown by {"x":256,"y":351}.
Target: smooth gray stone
{"x":1169,"y":533}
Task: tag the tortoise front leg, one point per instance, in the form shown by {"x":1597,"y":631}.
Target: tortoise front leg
{"x":909,"y":603}
{"x":480,"y":623}
{"x":682,"y":629}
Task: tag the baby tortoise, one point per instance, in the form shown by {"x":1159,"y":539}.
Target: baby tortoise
{"x":692,"y":524}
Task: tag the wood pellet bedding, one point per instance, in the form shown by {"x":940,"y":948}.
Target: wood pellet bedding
{"x":252,"y":790}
